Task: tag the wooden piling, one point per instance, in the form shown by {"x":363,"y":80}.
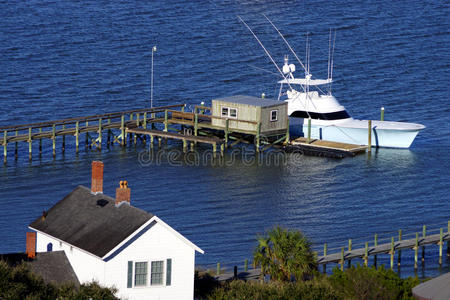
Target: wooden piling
{"x":441,"y":237}
{"x":349,"y":250}
{"x":77,"y":134}
{"x":16,"y":146}
{"x":448,"y":242}
{"x":63,"y":140}
{"x":137,"y":125}
{"x":29,"y":144}
{"x":40,"y":142}
{"x":99,"y":134}
{"x":416,"y":249}
{"x":86,"y":141}
{"x":309,"y":131}
{"x":122,"y":131}
{"x":218,"y":269}
{"x":5,"y":143}
{"x":54,"y":139}
{"x":366,"y":254}
{"x":382,"y":114}
{"x":325,"y":248}
{"x":375,"y":256}
{"x":369,"y":141}
{"x":399,"y":255}
{"x":227,"y":125}
{"x":246,"y":265}
{"x":424,"y":232}
{"x":392,"y":253}
{"x":258,"y":137}
{"x":342,"y":259}
{"x":184,"y":146}
{"x":195,"y":124}
{"x":166,"y":116}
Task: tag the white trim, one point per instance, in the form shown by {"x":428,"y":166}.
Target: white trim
{"x":158,"y":220}
{"x":276,"y":115}
{"x":179,"y":235}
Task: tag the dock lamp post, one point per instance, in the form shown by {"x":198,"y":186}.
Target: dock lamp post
{"x":151,"y":85}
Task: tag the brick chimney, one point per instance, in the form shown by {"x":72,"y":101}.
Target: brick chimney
{"x":31,"y":245}
{"x":97,"y":177}
{"x":123,"y":193}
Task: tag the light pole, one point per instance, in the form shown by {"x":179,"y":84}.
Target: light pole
{"x":151,"y":85}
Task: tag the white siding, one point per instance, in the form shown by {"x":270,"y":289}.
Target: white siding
{"x":156,"y":244}
{"x":86,"y":266}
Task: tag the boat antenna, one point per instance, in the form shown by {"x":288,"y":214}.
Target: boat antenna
{"x":267,"y":52}
{"x":332,"y":58}
{"x":289,"y":46}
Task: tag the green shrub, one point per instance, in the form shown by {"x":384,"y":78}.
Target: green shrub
{"x":310,"y":290}
{"x":20,"y":283}
{"x":370,"y":283}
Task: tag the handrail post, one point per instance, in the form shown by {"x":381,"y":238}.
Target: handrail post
{"x":77,"y":125}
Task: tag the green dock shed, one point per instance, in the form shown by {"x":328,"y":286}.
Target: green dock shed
{"x":246,"y":113}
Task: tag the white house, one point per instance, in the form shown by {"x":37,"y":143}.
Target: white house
{"x":116,"y":244}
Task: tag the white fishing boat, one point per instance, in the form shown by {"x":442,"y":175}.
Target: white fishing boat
{"x":310,"y":101}
{"x":330,"y":120}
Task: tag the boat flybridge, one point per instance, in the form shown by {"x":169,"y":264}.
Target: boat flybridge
{"x":311,"y":101}
{"x":312,"y":98}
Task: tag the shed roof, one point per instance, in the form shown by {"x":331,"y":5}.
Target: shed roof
{"x":53,"y":267}
{"x":436,"y":289}
{"x":250,"y":100}
{"x":91,"y":222}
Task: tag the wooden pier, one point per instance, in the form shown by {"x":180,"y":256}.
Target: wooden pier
{"x":191,"y":127}
{"x":396,"y":245}
{"x":92,"y":126}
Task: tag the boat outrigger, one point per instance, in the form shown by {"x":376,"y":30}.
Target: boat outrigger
{"x":308,"y":102}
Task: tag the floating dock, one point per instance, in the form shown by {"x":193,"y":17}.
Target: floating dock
{"x":323,"y":148}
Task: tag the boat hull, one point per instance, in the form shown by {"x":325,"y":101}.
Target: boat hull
{"x":391,"y":138}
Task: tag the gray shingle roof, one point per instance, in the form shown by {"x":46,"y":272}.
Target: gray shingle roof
{"x":53,"y":267}
{"x":437,"y":288}
{"x":250,"y":100}
{"x":81,"y":220}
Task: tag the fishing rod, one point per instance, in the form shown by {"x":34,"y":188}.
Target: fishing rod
{"x":267,"y":52}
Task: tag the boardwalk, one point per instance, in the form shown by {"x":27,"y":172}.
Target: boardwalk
{"x":388,"y":248}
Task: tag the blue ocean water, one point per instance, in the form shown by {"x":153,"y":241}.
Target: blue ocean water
{"x":65,"y":59}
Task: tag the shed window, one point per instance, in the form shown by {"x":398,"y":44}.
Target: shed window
{"x":229,"y":112}
{"x":157,"y":272}
{"x":140,"y":274}
{"x":274,"y":115}
{"x":225,"y":111}
{"x":233,"y":112}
